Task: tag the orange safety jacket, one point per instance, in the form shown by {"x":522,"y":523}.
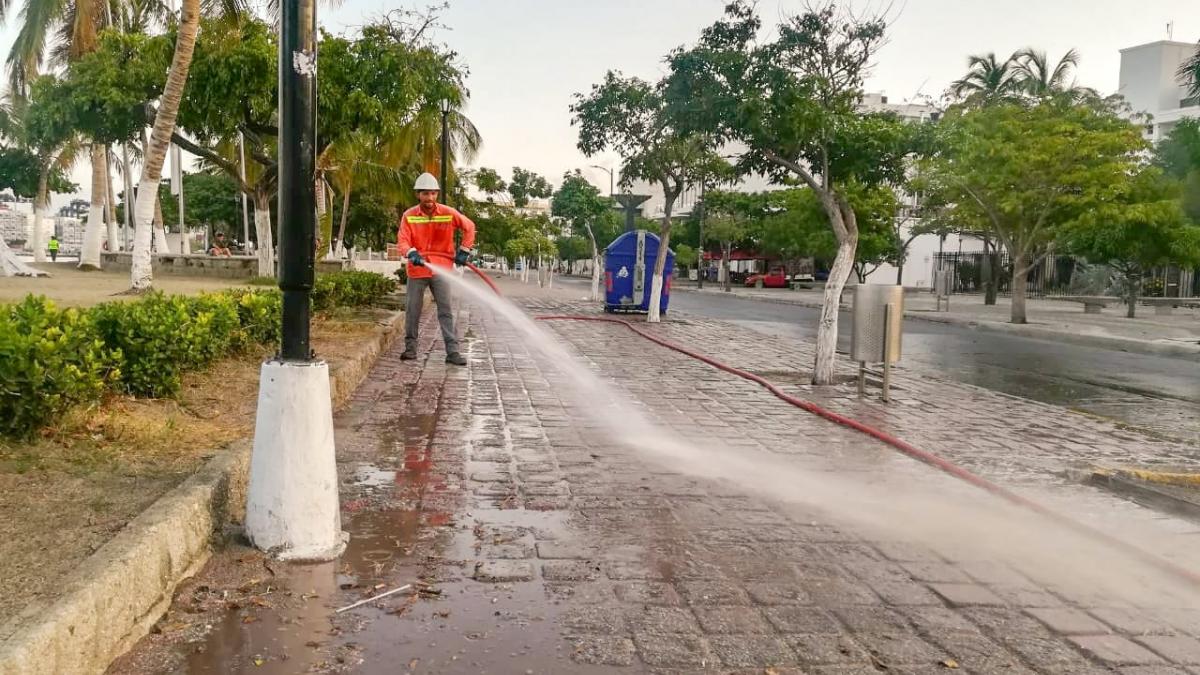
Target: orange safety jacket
{"x":433,"y":236}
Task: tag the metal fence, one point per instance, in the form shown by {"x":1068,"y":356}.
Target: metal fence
{"x":1057,"y":275}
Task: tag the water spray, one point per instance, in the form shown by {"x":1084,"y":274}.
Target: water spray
{"x":938,"y":462}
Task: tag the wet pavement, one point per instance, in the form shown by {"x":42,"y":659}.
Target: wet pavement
{"x":538,"y":544}
{"x":1152,"y":392}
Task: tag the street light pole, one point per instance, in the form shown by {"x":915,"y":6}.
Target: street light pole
{"x":700,"y":268}
{"x":445,"y":104}
{"x":292,"y":506}
{"x":611,"y":184}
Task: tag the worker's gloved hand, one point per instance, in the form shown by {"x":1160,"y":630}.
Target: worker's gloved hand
{"x":414,"y":258}
{"x":462,"y":257}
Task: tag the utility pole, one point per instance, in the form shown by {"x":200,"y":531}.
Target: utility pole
{"x":445,"y":104}
{"x":245,"y":204}
{"x":292,"y":506}
{"x":700,"y":268}
{"x":611,"y":183}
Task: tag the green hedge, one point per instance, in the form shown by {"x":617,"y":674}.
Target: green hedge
{"x":350,"y":289}
{"x":50,"y":360}
{"x":161,"y":337}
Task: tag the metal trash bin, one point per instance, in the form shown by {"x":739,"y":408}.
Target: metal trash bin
{"x":629,"y":271}
{"x":878,"y":323}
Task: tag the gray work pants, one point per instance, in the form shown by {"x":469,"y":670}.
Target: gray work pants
{"x":445,"y":311}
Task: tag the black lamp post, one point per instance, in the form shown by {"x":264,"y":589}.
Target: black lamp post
{"x":297,"y":160}
{"x":445,"y":106}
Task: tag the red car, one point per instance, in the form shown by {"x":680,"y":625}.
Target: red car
{"x":776,"y":278}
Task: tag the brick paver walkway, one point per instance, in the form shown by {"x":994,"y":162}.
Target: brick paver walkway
{"x":550,"y":546}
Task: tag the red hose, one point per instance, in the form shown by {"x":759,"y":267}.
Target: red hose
{"x":480,"y":273}
{"x":904,"y":447}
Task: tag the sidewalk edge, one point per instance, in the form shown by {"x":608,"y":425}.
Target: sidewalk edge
{"x":114,"y":597}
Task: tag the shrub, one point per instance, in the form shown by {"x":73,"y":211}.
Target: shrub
{"x":350,"y":289}
{"x":160,"y":337}
{"x":260,"y":313}
{"x":50,"y":360}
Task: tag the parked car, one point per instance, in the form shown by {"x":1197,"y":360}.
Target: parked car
{"x":776,"y":278}
{"x":822,"y":275}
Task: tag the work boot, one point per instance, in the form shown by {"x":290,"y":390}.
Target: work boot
{"x":408,"y":354}
{"x":456,"y":358}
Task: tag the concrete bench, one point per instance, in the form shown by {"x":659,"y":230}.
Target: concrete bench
{"x":1165,"y":306}
{"x":1092,"y":304}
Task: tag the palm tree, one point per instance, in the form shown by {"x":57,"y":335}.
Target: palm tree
{"x":988,"y":79}
{"x":1039,"y":79}
{"x":1189,"y":74}
{"x":160,"y":140}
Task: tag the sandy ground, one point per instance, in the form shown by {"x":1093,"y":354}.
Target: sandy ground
{"x":70,"y":287}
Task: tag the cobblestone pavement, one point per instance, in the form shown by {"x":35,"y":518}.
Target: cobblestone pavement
{"x":547,"y":546}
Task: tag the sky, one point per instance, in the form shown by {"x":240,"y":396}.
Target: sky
{"x":527,"y":58}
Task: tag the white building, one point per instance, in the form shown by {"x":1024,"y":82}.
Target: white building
{"x":14,"y":226}
{"x":1150,"y":84}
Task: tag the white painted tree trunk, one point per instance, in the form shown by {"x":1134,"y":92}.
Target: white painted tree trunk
{"x":93,"y":233}
{"x":827,"y":328}
{"x":142,"y":274}
{"x":660,"y":264}
{"x":110,"y":203}
{"x":41,"y":203}
{"x":160,"y":231}
{"x":262,"y":229}
{"x":595,"y":275}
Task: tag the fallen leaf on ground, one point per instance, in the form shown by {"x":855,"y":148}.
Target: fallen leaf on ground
{"x":951,"y":664}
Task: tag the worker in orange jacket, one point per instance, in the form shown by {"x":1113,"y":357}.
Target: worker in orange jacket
{"x":427,"y":239}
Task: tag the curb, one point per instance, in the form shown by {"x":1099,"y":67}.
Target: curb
{"x":114,"y":597}
{"x":1152,"y":493}
{"x":1135,"y":345}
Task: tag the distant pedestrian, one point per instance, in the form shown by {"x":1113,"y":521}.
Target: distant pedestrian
{"x":427,"y":239}
{"x":53,"y":247}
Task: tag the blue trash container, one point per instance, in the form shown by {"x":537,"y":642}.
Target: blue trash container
{"x":628,"y":272}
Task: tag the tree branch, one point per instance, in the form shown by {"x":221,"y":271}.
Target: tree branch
{"x":212,"y":156}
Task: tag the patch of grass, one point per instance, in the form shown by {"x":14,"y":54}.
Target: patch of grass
{"x":262,"y":281}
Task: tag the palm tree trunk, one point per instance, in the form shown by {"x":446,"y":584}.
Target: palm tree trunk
{"x":41,"y":203}
{"x":93,"y":233}
{"x":127,"y":186}
{"x":160,"y":244}
{"x":156,"y":151}
{"x":262,"y":229}
{"x":110,"y":202}
{"x":341,"y":238}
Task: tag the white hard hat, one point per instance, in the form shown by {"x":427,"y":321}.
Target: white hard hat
{"x":426,"y":181}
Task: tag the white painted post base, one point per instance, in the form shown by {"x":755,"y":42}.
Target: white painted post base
{"x":292,"y":508}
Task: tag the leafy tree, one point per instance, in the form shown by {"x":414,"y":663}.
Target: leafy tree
{"x":571,"y":249}
{"x":20,"y":172}
{"x":631,"y":116}
{"x":372,"y":222}
{"x":212,"y":203}
{"x":489,"y":182}
{"x":1144,"y":228}
{"x":527,"y":185}
{"x":44,"y":126}
{"x":1024,"y":171}
{"x":686,"y":256}
{"x":730,"y":220}
{"x":793,"y":102}
{"x":1179,"y":153}
{"x":1027,"y":73}
{"x":589,"y":215}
